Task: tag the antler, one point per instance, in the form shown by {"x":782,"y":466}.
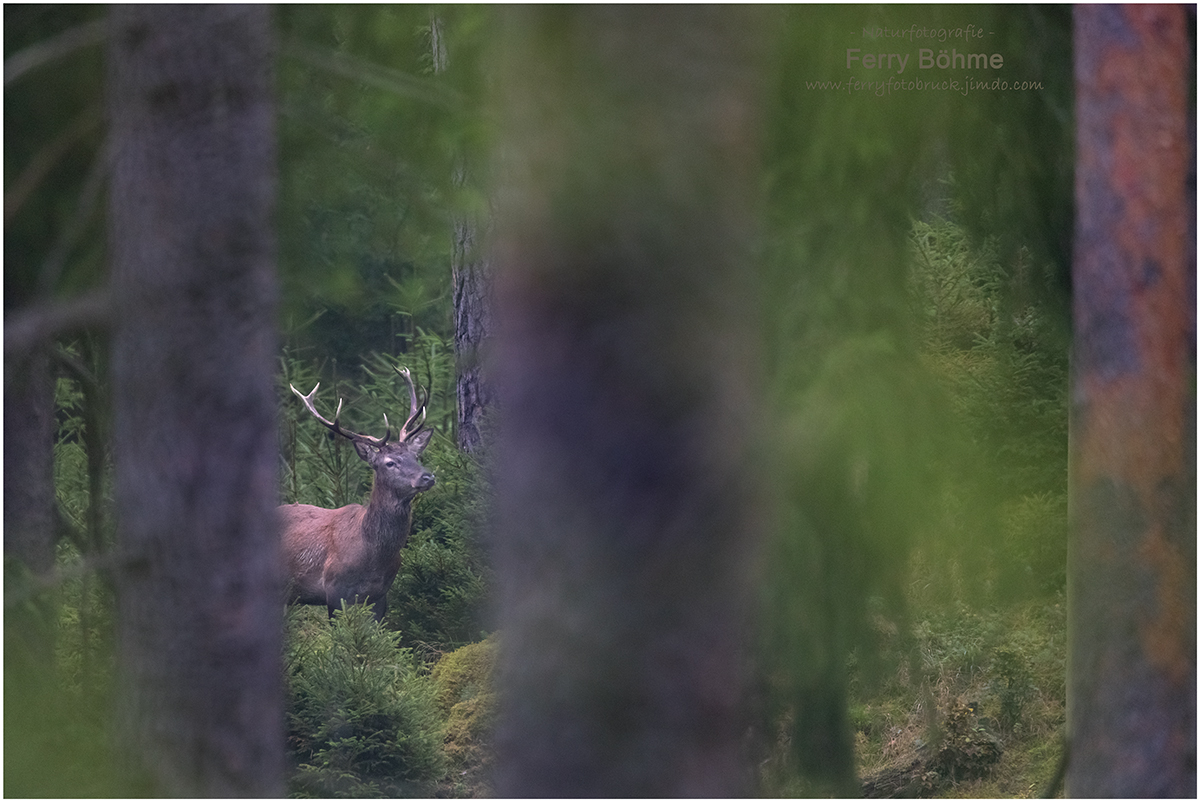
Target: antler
{"x":415,"y":408}
{"x":406,"y":431}
{"x":335,"y":427}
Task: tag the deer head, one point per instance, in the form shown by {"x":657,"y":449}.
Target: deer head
{"x":393,"y":461}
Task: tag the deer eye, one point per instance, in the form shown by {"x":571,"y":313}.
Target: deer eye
{"x":387,"y":463}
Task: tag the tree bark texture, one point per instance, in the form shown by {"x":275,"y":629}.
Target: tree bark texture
{"x":626,"y":360}
{"x":1132,"y":563}
{"x":472,"y":275}
{"x":193,"y":251}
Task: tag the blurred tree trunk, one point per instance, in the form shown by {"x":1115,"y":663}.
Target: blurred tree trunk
{"x":193,"y":251}
{"x":627,"y":362}
{"x":472,"y":279}
{"x":29,"y":461}
{"x":1132,"y":576}
{"x":29,"y":534}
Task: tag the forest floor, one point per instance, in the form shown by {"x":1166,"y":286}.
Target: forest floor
{"x":977,"y":707}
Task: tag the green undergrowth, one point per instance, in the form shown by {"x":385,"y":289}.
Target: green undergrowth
{"x":369,"y":718}
{"x":976,"y":707}
{"x":361,"y":715}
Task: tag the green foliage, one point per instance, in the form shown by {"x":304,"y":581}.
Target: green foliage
{"x":953,"y":643}
{"x":362,"y":717}
{"x":891,"y":408}
{"x":1012,"y":152}
{"x":372,"y":139}
{"x":53,"y":231}
{"x":440,"y":597}
{"x":70,"y":454}
{"x":998,"y":351}
{"x":939,"y":427}
{"x":993,"y":343}
{"x":1012,"y":686}
{"x":1035,"y":540}
{"x":430,"y":357}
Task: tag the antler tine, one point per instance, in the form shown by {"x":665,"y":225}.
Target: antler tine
{"x":333,"y":425}
{"x":409,"y":428}
{"x":414,"y":408}
{"x":308,"y":402}
{"x":412,"y":391}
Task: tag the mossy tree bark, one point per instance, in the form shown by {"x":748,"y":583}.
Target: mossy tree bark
{"x":192,"y":247}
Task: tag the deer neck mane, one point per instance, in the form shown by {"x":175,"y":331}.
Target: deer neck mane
{"x":386,"y":519}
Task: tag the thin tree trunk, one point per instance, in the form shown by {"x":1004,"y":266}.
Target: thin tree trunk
{"x":472,"y":331}
{"x":624,"y":322}
{"x":193,"y":251}
{"x":1132,"y":575}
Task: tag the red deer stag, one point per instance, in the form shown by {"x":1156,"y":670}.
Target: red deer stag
{"x":353,"y":552}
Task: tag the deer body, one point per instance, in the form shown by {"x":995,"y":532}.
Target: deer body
{"x":352,"y":553}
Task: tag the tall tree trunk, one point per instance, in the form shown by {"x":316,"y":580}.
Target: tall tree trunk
{"x":472,"y":279}
{"x":627,"y":367}
{"x":1132,"y":677}
{"x":193,"y":251}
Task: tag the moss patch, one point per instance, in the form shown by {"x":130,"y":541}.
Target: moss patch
{"x":467,"y":698}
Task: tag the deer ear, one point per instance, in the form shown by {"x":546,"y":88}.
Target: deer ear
{"x":364,"y":451}
{"x":420,"y":440}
